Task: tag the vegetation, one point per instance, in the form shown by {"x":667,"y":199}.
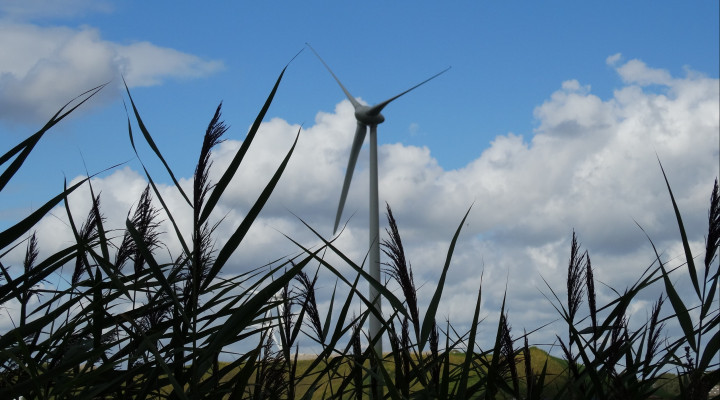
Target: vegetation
{"x":132,"y":323}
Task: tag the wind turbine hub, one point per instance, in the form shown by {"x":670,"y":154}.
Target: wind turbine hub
{"x":368,"y":116}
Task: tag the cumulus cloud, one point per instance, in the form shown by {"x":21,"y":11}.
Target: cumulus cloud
{"x":43,"y":67}
{"x":613,"y":59}
{"x":590,"y":166}
{"x":635,"y":71}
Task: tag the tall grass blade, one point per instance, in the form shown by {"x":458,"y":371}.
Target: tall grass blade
{"x":429,"y":319}
{"x":156,"y":270}
{"x":234,"y":240}
{"x":339,"y":330}
{"x":181,"y":239}
{"x":243,"y":317}
{"x":686,"y":245}
{"x":712,"y":349}
{"x":470,"y":350}
{"x":230,"y":171}
{"x":494,"y":374}
{"x":16,"y":231}
{"x":27,"y":145}
{"x":153,"y":146}
{"x":396,"y":303}
{"x":241,"y":380}
{"x":681,"y":311}
{"x":590,"y":369}
{"x":444,"y":388}
{"x":328,"y":317}
{"x":41,"y":272}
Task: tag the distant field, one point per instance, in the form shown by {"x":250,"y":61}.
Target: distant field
{"x":556,"y":374}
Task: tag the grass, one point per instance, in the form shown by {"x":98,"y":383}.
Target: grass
{"x":134,"y":322}
{"x":556,"y":372}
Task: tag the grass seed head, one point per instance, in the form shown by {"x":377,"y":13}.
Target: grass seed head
{"x":713,"y":237}
{"x":87,"y":231}
{"x":307,"y":296}
{"x":400,"y":269}
{"x":575,"y":278}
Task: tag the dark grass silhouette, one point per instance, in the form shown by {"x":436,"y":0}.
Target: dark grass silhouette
{"x":131,"y":325}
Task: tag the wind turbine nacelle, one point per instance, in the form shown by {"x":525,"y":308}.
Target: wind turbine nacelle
{"x":366,"y":115}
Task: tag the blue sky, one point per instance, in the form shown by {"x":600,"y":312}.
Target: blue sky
{"x":549,"y":119}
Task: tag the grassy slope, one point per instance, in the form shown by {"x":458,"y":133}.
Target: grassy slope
{"x":555,"y":378}
{"x":555,"y":371}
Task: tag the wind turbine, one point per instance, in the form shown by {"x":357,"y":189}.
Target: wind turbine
{"x":368,"y":116}
{"x":267,"y":325}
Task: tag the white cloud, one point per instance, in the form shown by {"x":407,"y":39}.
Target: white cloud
{"x":635,"y":71}
{"x":590,"y":166}
{"x":414,"y":129}
{"x":44,"y":67}
{"x":573,"y":111}
{"x":145,"y":64}
{"x":613,"y":59}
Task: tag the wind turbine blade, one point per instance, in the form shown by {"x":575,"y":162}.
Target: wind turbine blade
{"x":354,"y":102}
{"x":374,"y":110}
{"x":354,"y":152}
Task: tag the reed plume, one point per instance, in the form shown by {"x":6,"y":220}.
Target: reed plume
{"x":307,"y":299}
{"x":400,"y":269}
{"x":653,"y":339}
{"x":575,"y":279}
{"x":508,"y":353}
{"x":31,"y":254}
{"x":87,"y":232}
{"x":273,"y":373}
{"x":590,"y":285}
{"x":145,"y":221}
{"x":713,"y":238}
{"x":202,"y":253}
{"x":618,"y":339}
{"x":433,"y":341}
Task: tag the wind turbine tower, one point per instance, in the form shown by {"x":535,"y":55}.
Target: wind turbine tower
{"x":368,"y":116}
